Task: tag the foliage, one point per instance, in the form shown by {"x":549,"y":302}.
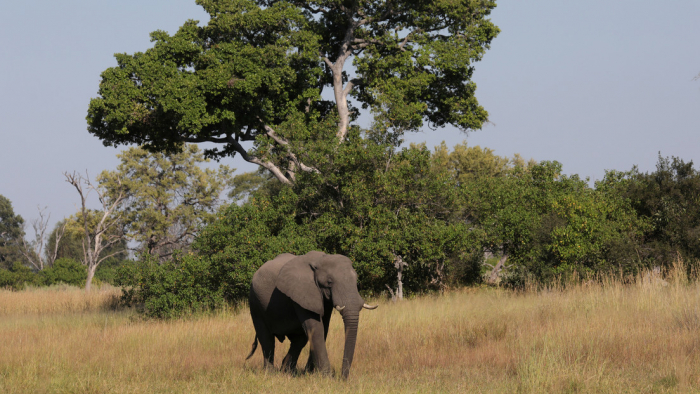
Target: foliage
{"x":669,"y":198}
{"x":380,"y":203}
{"x":244,"y":237}
{"x":18,"y":276}
{"x":65,"y":270}
{"x":11,"y":234}
{"x":170,"y":196}
{"x":260,"y":182}
{"x":256,"y":72}
{"x":395,"y":203}
{"x":70,"y":245}
{"x":391,"y":204}
{"x":465,"y":163}
{"x":173,"y":288}
{"x":551,"y":224}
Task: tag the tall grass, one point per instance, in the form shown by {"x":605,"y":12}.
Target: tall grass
{"x":612,"y":335}
{"x":57,"y":299}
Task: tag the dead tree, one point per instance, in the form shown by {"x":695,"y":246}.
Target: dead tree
{"x":97,"y":238}
{"x":400,"y":265}
{"x":494,"y":277}
{"x":35,"y":251}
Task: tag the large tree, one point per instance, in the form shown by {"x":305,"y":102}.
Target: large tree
{"x":257,"y":71}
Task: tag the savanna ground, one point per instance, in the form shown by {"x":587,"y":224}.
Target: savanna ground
{"x":595,"y":337}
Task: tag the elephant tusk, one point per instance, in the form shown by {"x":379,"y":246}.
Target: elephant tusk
{"x":369,"y":306}
{"x":340,"y":308}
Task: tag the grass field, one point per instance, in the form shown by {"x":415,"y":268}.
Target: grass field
{"x":598,"y":338}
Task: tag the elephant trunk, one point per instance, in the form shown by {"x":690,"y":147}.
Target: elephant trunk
{"x":351,"y":320}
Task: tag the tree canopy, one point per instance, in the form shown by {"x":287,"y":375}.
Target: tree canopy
{"x":257,"y":71}
{"x":170,"y":197}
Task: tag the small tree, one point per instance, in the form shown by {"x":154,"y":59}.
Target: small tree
{"x":97,"y":238}
{"x":170,"y":197}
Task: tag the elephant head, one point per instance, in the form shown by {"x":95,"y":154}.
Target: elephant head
{"x":312,"y":278}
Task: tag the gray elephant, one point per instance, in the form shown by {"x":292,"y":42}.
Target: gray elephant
{"x":293,"y":297}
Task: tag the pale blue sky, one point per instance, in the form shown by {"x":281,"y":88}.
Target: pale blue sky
{"x":593,"y":84}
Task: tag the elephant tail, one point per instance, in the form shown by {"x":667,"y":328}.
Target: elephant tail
{"x":255,"y":346}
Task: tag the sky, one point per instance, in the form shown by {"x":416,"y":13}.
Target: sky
{"x":596,"y":85}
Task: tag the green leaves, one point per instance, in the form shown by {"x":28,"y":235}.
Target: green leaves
{"x":170,"y":196}
{"x":248,"y":65}
{"x":256,"y":71}
{"x":550,"y":223}
{"x":11,"y":233}
{"x":182,"y":286}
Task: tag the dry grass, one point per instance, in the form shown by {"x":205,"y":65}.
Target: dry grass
{"x":605,"y":337}
{"x":56,"y":299}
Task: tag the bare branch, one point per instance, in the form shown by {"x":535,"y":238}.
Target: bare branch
{"x":328,"y":62}
{"x":266,"y":164}
{"x":93,"y":244}
{"x":271,"y":133}
{"x":351,"y":83}
{"x":35,"y":252}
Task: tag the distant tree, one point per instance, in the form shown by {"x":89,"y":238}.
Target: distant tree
{"x":467,"y":163}
{"x":70,"y":245}
{"x":37,"y":251}
{"x":254,"y":183}
{"x":257,"y":70}
{"x":11,"y":234}
{"x":101,"y":229}
{"x":170,"y":197}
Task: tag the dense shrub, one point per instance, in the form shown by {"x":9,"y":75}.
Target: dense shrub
{"x":18,"y":277}
{"x":669,"y":198}
{"x":374,"y":203}
{"x":551,"y":224}
{"x":65,"y":270}
{"x":369,"y":202}
{"x":183,"y":285}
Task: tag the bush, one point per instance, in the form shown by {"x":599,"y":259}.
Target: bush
{"x":553,"y":225}
{"x":182,"y":286}
{"x":18,"y":277}
{"x":65,"y":270}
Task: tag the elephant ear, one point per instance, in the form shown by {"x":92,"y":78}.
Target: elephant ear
{"x":297,"y":281}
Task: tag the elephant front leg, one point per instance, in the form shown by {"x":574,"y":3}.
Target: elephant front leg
{"x":326,"y":319}
{"x":318,"y":356}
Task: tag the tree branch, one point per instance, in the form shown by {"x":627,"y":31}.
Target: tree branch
{"x":265,"y":164}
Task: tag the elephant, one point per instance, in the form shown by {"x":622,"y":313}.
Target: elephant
{"x":294,"y":296}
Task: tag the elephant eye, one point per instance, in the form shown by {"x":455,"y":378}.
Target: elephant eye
{"x":330,"y":282}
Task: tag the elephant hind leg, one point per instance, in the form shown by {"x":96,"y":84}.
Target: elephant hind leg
{"x":298,"y":341}
{"x":267,"y":343}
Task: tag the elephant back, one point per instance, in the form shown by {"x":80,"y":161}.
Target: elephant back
{"x":265,"y":277}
